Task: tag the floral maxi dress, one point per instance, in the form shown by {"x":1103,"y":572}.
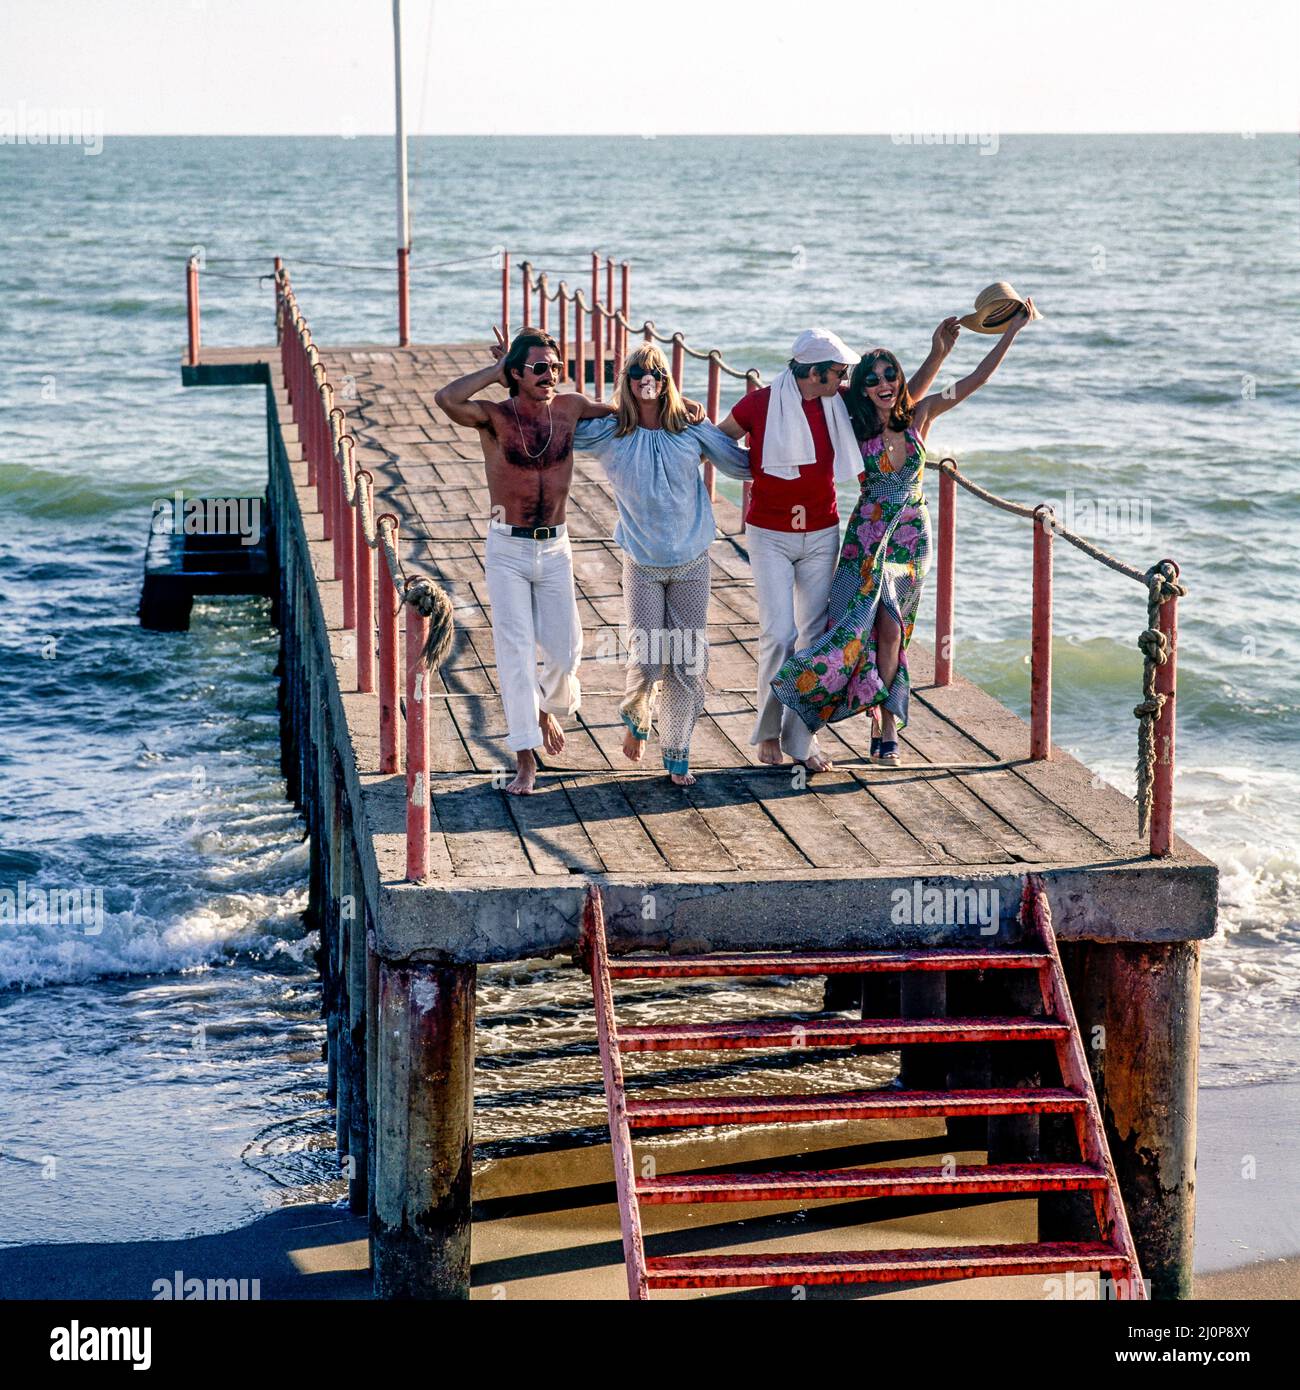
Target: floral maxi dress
{"x":883,"y":560}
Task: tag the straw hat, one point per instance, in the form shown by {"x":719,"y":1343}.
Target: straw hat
{"x":995,"y":307}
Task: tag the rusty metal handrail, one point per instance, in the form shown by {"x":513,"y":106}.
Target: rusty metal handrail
{"x":609,"y":333}
{"x":1158,"y":644}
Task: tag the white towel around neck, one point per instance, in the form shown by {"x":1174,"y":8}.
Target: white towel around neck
{"x":787,"y":438}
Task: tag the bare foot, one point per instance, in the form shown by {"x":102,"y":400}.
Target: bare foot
{"x":769,"y":751}
{"x":683,"y":779}
{"x":633,"y":747}
{"x":525,"y":775}
{"x":816,"y":762}
{"x":552,"y":734}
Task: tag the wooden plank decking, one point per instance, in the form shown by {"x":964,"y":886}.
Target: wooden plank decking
{"x":968,"y":803}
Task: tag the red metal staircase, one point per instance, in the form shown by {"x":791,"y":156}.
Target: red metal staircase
{"x":1112,"y":1255}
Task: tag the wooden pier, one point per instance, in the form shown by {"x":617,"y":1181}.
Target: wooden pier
{"x":747,"y":860}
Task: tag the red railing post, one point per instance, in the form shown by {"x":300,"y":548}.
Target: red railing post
{"x":1162,"y":795}
{"x":192,"y":307}
{"x":319,"y":449}
{"x":347,"y":528}
{"x":505,"y":295}
{"x":390,"y":756}
{"x":623,"y":304}
{"x":579,"y":365}
{"x":1040,"y":679}
{"x":417,"y":746}
{"x":943,"y":593}
{"x":712,"y":406}
{"x":562,"y":308}
{"x":598,"y":351}
{"x":595,"y":281}
{"x":619,"y":342}
{"x":679,"y":359}
{"x":403,"y":296}
{"x":278,"y":287}
{"x":526,"y":276}
{"x":324,"y":461}
{"x":543,"y":304}
{"x":365,"y":574}
{"x":609,"y":305}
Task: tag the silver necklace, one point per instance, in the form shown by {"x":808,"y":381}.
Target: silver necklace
{"x":523,"y":440}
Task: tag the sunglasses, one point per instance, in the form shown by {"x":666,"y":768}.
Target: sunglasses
{"x":541,"y":368}
{"x":637,"y":372}
{"x":871,"y":379}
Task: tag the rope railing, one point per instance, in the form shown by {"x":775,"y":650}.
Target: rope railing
{"x":1157,"y":643}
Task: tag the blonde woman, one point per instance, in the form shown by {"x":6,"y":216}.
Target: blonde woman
{"x":651,"y":448}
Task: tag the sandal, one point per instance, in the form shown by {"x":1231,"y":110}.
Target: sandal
{"x":875,"y":746}
{"x":887,"y":755}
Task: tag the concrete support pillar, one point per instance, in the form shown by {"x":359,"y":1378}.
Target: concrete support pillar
{"x":924,"y":994}
{"x":1138,"y":1007}
{"x":420,"y":1237}
{"x":969,"y":1068}
{"x":1016,"y":993}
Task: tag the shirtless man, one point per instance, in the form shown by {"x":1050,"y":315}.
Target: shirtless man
{"x":528,"y":454}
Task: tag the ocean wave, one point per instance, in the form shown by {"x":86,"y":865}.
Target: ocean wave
{"x":36,"y":954}
{"x":128,"y":307}
{"x":56,"y":493}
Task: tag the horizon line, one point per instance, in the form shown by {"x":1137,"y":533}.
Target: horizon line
{"x":637,"y":135}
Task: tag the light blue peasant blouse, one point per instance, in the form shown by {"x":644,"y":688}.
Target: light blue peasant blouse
{"x":664,"y":514}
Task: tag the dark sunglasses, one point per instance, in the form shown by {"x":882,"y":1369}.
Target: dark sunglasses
{"x":541,"y":368}
{"x":871,"y":379}
{"x":637,"y":372}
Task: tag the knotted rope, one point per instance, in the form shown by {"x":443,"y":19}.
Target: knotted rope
{"x":1162,"y":585}
{"x":431,"y":601}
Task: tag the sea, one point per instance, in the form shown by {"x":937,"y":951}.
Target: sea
{"x":160,"y":1061}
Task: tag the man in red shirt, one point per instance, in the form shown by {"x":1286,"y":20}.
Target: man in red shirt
{"x":801,"y":444}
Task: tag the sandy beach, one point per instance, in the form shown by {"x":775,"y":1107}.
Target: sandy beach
{"x":546,"y":1227}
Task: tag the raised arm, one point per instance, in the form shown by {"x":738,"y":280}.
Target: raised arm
{"x":941,"y":345}
{"x":933,"y":406}
{"x":454,"y":398}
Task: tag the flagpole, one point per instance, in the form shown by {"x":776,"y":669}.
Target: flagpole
{"x":403,"y":209}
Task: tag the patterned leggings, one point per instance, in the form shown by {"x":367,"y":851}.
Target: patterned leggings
{"x":666,"y":638}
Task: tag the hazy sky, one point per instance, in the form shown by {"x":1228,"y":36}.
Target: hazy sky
{"x":657,"y":67}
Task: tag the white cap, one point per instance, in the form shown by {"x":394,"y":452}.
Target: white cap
{"x":821,"y":345}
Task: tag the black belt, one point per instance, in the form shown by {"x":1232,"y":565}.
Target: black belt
{"x":536,"y":533}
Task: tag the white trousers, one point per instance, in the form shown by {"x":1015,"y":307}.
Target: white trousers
{"x":534,"y":608}
{"x":792,"y":582}
{"x":666,"y":632}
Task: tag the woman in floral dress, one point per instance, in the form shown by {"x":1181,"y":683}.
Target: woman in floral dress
{"x":861,"y":662}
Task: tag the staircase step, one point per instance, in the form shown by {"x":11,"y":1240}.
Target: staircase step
{"x":882,"y":1266}
{"x":838,"y":1183}
{"x":849,"y":1105}
{"x":824,"y":963}
{"x":812,"y":1033}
